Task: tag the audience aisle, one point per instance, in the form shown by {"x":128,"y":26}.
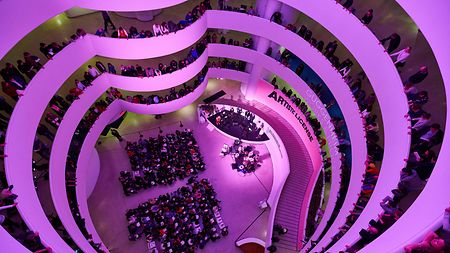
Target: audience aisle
{"x":251,"y":189}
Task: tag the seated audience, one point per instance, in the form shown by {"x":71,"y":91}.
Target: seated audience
{"x":181,"y":221}
{"x":161,"y":161}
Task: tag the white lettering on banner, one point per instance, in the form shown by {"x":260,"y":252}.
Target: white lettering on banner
{"x":285,"y":104}
{"x":324,"y":117}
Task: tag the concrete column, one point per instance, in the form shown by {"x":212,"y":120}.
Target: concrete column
{"x":265,"y":9}
{"x":289,"y":14}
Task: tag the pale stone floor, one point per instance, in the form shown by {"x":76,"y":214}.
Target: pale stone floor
{"x":240,"y":195}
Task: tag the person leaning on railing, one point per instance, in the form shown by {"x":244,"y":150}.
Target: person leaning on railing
{"x":434,"y":242}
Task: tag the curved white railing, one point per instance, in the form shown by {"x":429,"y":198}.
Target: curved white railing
{"x":168,"y":106}
{"x":380,"y":71}
{"x":75,"y":113}
{"x":292,"y":42}
{"x":34,"y":13}
{"x":229,"y":74}
{"x":58,"y":160}
{"x":133,"y":5}
{"x":20,"y":136}
{"x":83,"y":161}
{"x":426,"y":213}
{"x":80,"y":51}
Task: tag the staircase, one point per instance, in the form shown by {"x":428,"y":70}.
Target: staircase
{"x":291,"y":199}
{"x":293,"y":193}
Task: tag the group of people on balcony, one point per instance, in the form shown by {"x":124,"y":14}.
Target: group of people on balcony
{"x":434,"y":242}
{"x":157,"y":29}
{"x":425,"y":135}
{"x":161,"y":161}
{"x":419,"y":165}
{"x":29,"y":239}
{"x":181,"y":221}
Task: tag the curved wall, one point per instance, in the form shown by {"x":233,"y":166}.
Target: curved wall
{"x":433,"y":20}
{"x":212,"y":22}
{"x":77,"y":111}
{"x":168,"y":106}
{"x":134,"y":5}
{"x":10,"y":244}
{"x":252,"y":56}
{"x":30,"y":110}
{"x":229,"y":74}
{"x":83,"y":162}
{"x":20,"y":139}
{"x":380,"y":70}
{"x":314,"y":59}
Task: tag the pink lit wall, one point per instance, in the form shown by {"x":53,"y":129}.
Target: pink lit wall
{"x":156,"y":47}
{"x":10,"y":244}
{"x":284,"y":107}
{"x":166,"y":107}
{"x":20,"y":138}
{"x":380,"y":70}
{"x":84,"y":49}
{"x":228,"y":74}
{"x":254,"y":57}
{"x":134,"y":5}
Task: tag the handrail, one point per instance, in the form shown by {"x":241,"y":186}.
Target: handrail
{"x":20,"y":141}
{"x":251,"y":56}
{"x":75,"y":113}
{"x":15,"y":27}
{"x":379,"y":72}
{"x":251,"y":223}
{"x":436,"y":193}
{"x":83,"y":160}
{"x":79,"y":52}
{"x":90,"y":51}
